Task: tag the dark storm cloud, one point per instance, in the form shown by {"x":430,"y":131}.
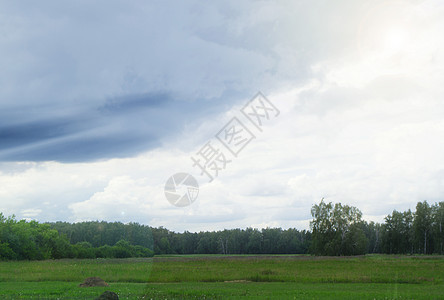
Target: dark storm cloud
{"x":94,"y":80}
{"x":30,"y":132}
{"x":135,"y":102}
{"x":123,"y":126}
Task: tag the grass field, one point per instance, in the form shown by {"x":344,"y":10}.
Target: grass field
{"x":233,"y":277}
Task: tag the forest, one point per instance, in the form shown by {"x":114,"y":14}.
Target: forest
{"x":336,"y":230}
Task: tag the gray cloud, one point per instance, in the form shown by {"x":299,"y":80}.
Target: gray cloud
{"x":97,"y":80}
{"x":91,"y":81}
{"x":84,"y":81}
{"x":123,"y":126}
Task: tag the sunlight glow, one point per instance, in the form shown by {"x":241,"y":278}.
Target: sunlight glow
{"x":395,"y":40}
{"x":385,"y":31}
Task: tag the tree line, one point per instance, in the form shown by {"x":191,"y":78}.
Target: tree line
{"x":22,"y":240}
{"x":164,"y":241}
{"x":336,"y":229}
{"x":339,"y":230}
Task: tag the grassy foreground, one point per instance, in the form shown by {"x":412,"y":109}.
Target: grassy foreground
{"x":216,"y":277}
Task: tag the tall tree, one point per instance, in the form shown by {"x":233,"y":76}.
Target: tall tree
{"x":438,"y":227}
{"x":397,"y":232}
{"x":422,"y":227}
{"x":337,"y":230}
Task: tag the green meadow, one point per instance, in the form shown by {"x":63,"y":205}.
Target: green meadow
{"x":232,"y":277}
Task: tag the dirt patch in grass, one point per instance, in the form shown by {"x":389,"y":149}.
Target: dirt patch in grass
{"x":93,"y":281}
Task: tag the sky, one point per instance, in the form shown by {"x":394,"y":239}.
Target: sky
{"x":101,"y":102}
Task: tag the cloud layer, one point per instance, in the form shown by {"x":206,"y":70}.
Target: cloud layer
{"x":102,"y":103}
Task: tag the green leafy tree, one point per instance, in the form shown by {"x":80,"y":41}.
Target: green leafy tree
{"x":398,"y":232}
{"x":422,"y":227}
{"x":438,"y":227}
{"x":254,"y":241}
{"x":337,"y":230}
{"x":84,"y":250}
